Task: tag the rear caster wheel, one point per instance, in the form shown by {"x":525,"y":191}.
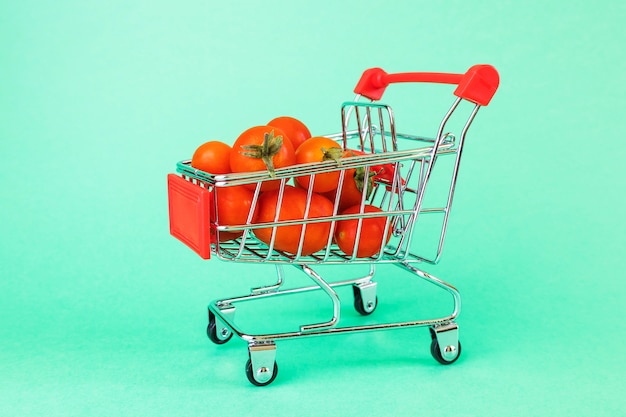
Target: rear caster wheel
{"x":218,"y":334}
{"x":261,"y":373}
{"x":365,"y":299}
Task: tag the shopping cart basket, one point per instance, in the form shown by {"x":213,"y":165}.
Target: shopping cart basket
{"x":368,"y":126}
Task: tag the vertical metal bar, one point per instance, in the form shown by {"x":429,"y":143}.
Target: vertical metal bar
{"x":307,"y":208}
{"x":370,"y":130}
{"x":359,"y":128}
{"x":431,"y":161}
{"x":453,"y":183}
{"x":381,"y":125}
{"x":392,"y":130}
{"x":345,"y":117}
{"x":272,"y":287}
{"x":279,"y":204}
{"x":331,"y":232}
{"x":357,"y":236}
{"x":389,"y":217}
{"x":405,"y":239}
{"x":331,"y":293}
{"x":344,"y":123}
{"x":246,"y":232}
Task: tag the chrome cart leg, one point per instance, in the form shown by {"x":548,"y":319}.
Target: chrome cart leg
{"x":217,"y":330}
{"x":333,"y":296}
{"x":271,"y":288}
{"x":261,"y":368}
{"x":445,"y":346}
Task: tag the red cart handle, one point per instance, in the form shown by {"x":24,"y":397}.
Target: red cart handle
{"x":477,"y":85}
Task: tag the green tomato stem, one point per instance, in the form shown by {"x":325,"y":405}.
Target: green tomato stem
{"x":266,"y":151}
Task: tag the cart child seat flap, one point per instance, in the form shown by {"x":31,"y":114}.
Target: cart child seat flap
{"x":190,"y":213}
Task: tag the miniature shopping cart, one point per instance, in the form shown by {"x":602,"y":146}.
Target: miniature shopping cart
{"x":370,"y":127}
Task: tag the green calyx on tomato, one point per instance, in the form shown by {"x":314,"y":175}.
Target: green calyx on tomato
{"x":359,"y":180}
{"x":384,"y":173}
{"x":332,"y":154}
{"x":270,"y":147}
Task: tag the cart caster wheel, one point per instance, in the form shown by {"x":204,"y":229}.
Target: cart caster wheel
{"x":217,"y":336}
{"x":368,"y":305}
{"x":252,"y":377}
{"x":436,"y":352}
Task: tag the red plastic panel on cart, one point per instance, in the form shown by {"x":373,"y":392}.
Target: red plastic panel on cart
{"x":190,"y":214}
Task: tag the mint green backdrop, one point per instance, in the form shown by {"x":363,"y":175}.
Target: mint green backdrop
{"x":103,"y":313}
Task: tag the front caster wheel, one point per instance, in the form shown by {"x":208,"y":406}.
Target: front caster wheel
{"x":218,"y":334}
{"x":436,"y":352}
{"x":261,"y":373}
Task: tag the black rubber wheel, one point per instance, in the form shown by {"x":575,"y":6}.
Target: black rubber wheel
{"x":358,"y":303}
{"x":250,"y":375}
{"x":436,"y":352}
{"x":211,"y":331}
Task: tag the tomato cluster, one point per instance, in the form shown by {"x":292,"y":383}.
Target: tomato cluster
{"x":286,"y":141}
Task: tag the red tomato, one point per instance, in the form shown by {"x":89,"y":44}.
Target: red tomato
{"x":292,"y":208}
{"x":212,"y":157}
{"x":372,"y":232}
{"x":233,"y":208}
{"x":262,"y":148}
{"x":296,"y":131}
{"x":318,"y":149}
{"x":384,"y":173}
{"x":352,"y":188}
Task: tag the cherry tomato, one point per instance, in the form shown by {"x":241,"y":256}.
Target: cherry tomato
{"x":384,"y":173}
{"x":296,"y":131}
{"x":293,"y":207}
{"x":233,"y":208}
{"x":318,"y":149}
{"x":212,"y":157}
{"x":350,"y":193}
{"x":371,"y":236}
{"x":262,"y":148}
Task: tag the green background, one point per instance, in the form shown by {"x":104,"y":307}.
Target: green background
{"x":103,"y":313}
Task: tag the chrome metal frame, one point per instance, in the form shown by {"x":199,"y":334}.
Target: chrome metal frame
{"x":402,"y":202}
